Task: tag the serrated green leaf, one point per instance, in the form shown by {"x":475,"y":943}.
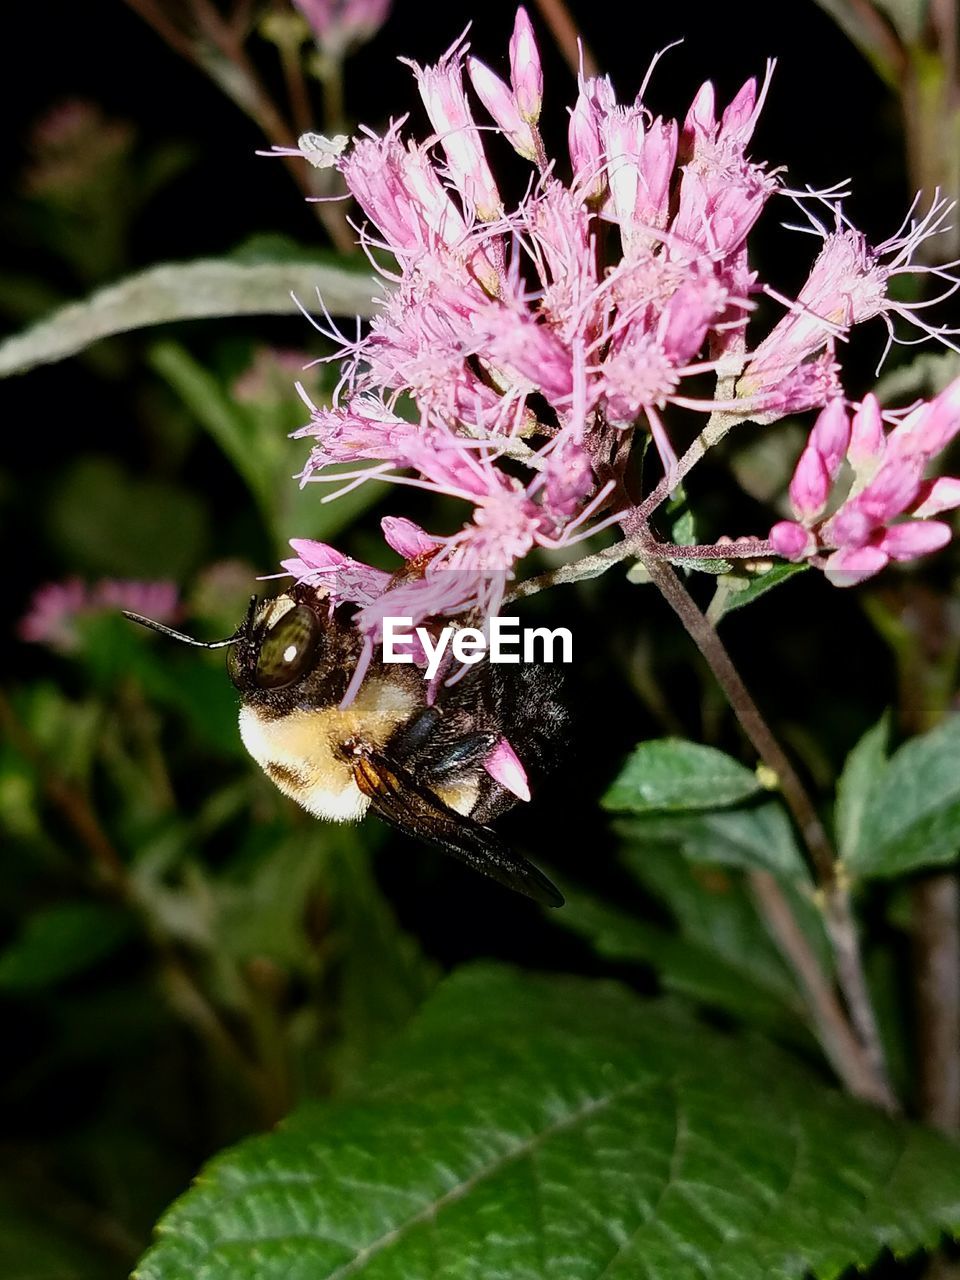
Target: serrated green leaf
{"x":861,"y":773}
{"x":538,"y":1128}
{"x":734,"y":591}
{"x":186,"y":291}
{"x":672,"y":774}
{"x":912,"y":818}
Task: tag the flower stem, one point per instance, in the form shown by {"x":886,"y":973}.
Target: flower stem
{"x":569,"y":41}
{"x":837,"y":909}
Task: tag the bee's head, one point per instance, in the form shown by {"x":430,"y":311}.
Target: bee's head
{"x":279,"y":645}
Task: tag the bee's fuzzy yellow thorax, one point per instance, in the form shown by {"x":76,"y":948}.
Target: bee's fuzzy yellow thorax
{"x":300,"y":751}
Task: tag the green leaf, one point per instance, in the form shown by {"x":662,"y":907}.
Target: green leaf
{"x":908,"y":17}
{"x":861,"y":773}
{"x":759,"y":837}
{"x":735,"y":590}
{"x":186,"y":291}
{"x":912,"y":816}
{"x":713,"y":906}
{"x":679,"y":515}
{"x":61,"y":941}
{"x":257,"y":444}
{"x":525,"y":1128}
{"x":255,"y":454}
{"x":753,"y":987}
{"x":673,"y":774}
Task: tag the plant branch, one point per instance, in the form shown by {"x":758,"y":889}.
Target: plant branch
{"x":569,"y":41}
{"x":936,"y":951}
{"x":837,"y":909}
{"x":632,"y":548}
{"x":841,"y":1046}
{"x":230,"y":68}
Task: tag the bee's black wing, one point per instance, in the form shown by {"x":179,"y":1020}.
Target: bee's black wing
{"x":397,"y":798}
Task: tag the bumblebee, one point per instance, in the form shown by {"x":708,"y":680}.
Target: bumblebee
{"x":418,"y":765}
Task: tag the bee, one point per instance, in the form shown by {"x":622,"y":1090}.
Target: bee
{"x":416,"y":764}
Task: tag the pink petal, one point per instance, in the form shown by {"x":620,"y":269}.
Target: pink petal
{"x":849,"y":528}
{"x":406,"y":538}
{"x":941,"y":421}
{"x":866,"y":435}
{"x":741,"y":109}
{"x":504,"y":767}
{"x":810,"y":486}
{"x":316,"y":555}
{"x":915,"y":538}
{"x":501,"y":104}
{"x":526,"y":73}
{"x":893,"y":489}
{"x":942,"y":494}
{"x":831,"y":436}
{"x":848,"y":567}
{"x":702,"y":114}
{"x":792,"y":541}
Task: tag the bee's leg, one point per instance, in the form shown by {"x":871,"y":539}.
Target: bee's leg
{"x":457,"y":756}
{"x":410,"y":739}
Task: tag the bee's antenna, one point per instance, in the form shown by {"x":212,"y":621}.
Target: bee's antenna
{"x":178,"y":635}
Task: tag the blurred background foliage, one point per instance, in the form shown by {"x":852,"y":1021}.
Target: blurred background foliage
{"x":183,"y":954}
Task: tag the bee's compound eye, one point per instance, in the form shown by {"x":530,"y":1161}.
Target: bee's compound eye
{"x":288,"y":648}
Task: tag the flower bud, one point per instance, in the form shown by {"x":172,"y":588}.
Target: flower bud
{"x":526,"y":73}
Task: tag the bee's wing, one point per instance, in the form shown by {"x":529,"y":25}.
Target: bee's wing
{"x":397,"y":798}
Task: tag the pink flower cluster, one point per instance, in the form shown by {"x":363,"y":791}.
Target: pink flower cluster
{"x":56,"y":608}
{"x":520,"y":352}
{"x":884,"y":513}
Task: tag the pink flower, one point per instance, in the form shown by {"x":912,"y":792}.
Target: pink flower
{"x":883,"y":515}
{"x":441,"y":88}
{"x":722,"y":193}
{"x":58,"y":609}
{"x":848,"y":285}
{"x":523,"y":350}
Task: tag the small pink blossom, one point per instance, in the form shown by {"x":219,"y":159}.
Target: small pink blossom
{"x":58,"y":609}
{"x":883,"y":514}
{"x":526,"y":73}
{"x":501,"y":102}
{"x":441,"y":88}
